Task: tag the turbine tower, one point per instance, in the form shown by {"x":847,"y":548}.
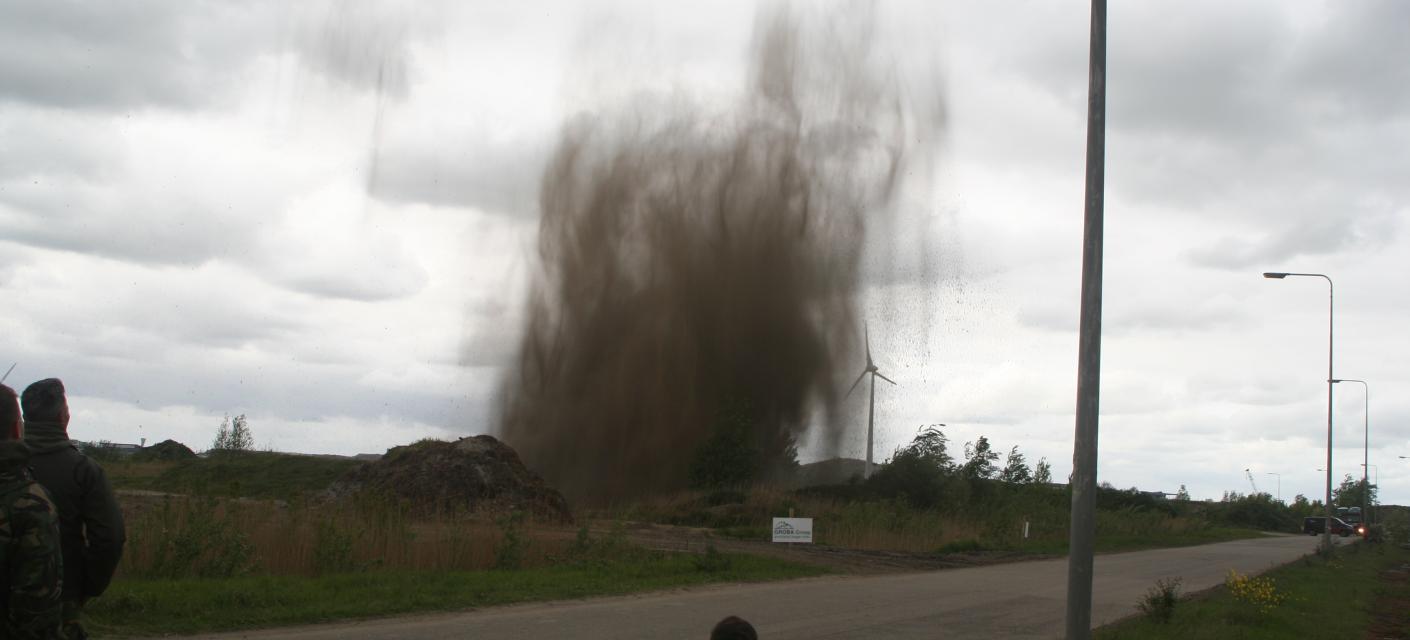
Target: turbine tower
{"x":871,"y":407}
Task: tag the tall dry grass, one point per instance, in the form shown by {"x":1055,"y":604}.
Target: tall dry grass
{"x":209,"y":537}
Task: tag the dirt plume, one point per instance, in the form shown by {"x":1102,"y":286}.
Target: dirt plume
{"x":698,"y":264}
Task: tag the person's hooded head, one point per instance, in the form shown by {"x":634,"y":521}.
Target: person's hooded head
{"x":11,"y":426}
{"x":733,"y":628}
{"x":45,"y":404}
{"x":46,"y":416}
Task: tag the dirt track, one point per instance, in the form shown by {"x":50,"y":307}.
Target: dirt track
{"x":1015,"y":600}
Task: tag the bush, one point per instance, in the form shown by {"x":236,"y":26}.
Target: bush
{"x":729,"y":458}
{"x":913,"y":479}
{"x":1397,"y":525}
{"x":1132,"y":500}
{"x":509,"y":554}
{"x":1159,"y":602}
{"x":205,"y":543}
{"x":1258,"y":511}
{"x":332,"y":549}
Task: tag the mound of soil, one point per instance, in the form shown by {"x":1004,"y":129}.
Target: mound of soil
{"x":475,"y":474}
{"x":164,"y":451}
{"x":827,"y":472}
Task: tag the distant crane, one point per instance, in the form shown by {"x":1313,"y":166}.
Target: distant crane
{"x":1251,"y":483}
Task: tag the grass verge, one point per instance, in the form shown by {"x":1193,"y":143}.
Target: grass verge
{"x":1116,"y":543}
{"x":159,"y":607}
{"x":1307,"y":594}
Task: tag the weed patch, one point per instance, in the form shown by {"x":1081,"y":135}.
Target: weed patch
{"x":1158,"y":605}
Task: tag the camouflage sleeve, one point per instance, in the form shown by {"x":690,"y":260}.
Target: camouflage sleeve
{"x":103,"y":530}
{"x":35,"y":568}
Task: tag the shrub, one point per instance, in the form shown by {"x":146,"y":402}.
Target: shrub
{"x":332,"y":549}
{"x":203,"y":544}
{"x":509,"y":554}
{"x":1159,"y":602}
{"x":729,"y":458}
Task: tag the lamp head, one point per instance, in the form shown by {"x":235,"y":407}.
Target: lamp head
{"x":1274,"y":275}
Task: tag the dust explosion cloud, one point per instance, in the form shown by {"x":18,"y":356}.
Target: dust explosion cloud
{"x":698,"y":262}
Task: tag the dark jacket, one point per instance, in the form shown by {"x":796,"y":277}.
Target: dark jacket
{"x":89,"y":519}
{"x":30,"y":557}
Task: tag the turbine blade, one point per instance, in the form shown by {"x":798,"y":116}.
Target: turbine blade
{"x":854,"y":384}
{"x":878,"y":373}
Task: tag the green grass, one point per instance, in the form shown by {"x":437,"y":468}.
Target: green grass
{"x":1340,"y":592}
{"x":254,"y":474}
{"x":156,"y":607}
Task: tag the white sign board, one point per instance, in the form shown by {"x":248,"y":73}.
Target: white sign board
{"x":793,"y":530}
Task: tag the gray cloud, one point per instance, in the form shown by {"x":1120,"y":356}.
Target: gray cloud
{"x":476,"y":171}
{"x":147,"y":53}
{"x":1338,"y":229}
{"x":173,"y":226}
{"x":128,"y":55}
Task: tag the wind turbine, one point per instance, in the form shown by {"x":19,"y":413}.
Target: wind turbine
{"x":871,"y":408}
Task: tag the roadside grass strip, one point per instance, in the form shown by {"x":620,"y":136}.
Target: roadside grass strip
{"x":1119,"y":543}
{"x":1362,"y":587}
{"x":187,"y":606}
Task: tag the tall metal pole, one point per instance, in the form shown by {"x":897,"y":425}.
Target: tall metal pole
{"x":1081,"y":541}
{"x":1331,"y":318}
{"x":1366,"y":458}
{"x":1331,"y":380}
{"x":1365,"y":448}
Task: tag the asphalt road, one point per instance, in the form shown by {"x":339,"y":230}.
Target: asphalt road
{"x":1017,"y":600}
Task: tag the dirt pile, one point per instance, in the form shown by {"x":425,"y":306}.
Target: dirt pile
{"x":476,"y":474}
{"x":826,"y":472}
{"x":164,"y":451}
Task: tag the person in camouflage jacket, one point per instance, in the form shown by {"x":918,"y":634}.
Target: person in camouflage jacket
{"x":31,"y":559}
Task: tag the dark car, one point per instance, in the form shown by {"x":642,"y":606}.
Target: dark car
{"x":1314,"y":526}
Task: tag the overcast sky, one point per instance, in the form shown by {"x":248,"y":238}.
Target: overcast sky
{"x":323,"y":215}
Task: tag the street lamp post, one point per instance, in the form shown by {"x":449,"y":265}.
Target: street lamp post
{"x":1331,"y":291}
{"x":1366,"y":447}
{"x":1280,"y":484}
